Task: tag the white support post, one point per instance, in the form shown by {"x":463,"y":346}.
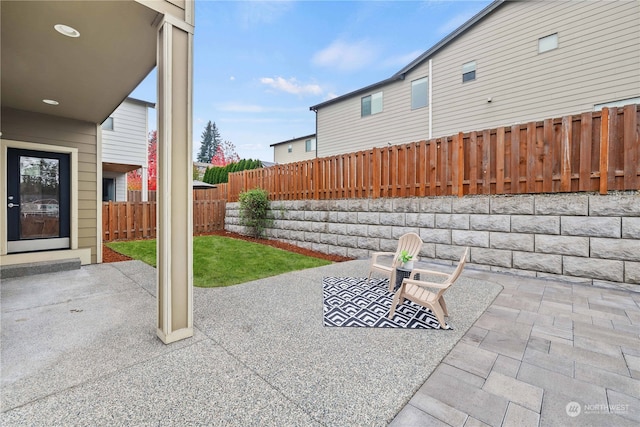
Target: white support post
{"x":174,"y":175}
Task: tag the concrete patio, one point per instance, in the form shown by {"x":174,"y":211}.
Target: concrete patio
{"x":79,"y":348}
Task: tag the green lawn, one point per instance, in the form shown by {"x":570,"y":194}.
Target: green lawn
{"x":221,"y":261}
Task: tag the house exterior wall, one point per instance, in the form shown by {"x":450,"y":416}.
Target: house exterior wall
{"x":597,"y":61}
{"x":341,"y":129}
{"x":51,"y":130}
{"x":127,"y":142}
{"x":298,"y":151}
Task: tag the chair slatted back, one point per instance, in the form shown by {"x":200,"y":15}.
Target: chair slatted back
{"x":456,"y":273}
{"x":410,"y":242}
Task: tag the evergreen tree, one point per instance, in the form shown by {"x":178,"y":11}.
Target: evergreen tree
{"x":209,"y":144}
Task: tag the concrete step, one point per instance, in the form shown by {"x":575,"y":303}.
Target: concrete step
{"x":42,"y":267}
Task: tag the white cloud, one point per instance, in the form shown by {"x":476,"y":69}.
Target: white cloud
{"x":232,"y":78}
{"x":346,"y":56}
{"x":330,"y":96}
{"x":291,"y":86}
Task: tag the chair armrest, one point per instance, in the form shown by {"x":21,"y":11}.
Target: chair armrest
{"x":424,"y":284}
{"x":424,"y":271}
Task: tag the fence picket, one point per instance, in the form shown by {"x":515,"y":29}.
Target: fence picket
{"x":500,"y":161}
{"x":630,"y":137}
{"x":135,"y":220}
{"x":551,"y":155}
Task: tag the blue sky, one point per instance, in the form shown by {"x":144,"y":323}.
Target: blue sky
{"x":259,"y":66}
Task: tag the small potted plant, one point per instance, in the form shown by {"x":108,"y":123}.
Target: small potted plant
{"x":406,"y":260}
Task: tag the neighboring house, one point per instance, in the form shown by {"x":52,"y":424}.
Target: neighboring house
{"x":295,"y":150}
{"x":201,"y":168}
{"x":124,"y":148}
{"x":514,"y":62}
{"x":65,"y":67}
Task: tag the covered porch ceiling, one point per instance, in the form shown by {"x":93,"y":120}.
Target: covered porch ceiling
{"x":89,"y":75}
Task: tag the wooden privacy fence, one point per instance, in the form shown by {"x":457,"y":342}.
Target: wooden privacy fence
{"x":137,"y":220}
{"x":217,"y":193}
{"x":136,"y":196}
{"x":593,"y":151}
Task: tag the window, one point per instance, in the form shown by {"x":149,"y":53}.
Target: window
{"x":469,"y":71}
{"x":108,"y":189}
{"x":310,"y":145}
{"x":371,"y":104}
{"x":548,"y":43}
{"x":108,"y":124}
{"x":419,"y":89}
{"x":290,"y":149}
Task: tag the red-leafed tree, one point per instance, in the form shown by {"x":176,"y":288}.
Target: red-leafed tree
{"x":152,"y":158}
{"x":225,"y":154}
{"x":134,"y":178}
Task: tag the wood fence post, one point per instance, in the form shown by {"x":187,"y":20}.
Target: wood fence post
{"x":500,"y":161}
{"x":375,"y":182}
{"x":316,"y":179}
{"x":460,"y":166}
{"x":630,"y":140}
{"x":586,"y":127}
{"x":565,"y":152}
{"x":604,"y":150}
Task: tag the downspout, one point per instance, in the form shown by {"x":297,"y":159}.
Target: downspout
{"x":316,"y":111}
{"x":430,"y":100}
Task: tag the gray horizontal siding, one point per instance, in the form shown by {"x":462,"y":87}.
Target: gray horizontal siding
{"x":341,"y":129}
{"x":127,"y":143}
{"x":598,"y":49}
{"x":45,"y":129}
{"x":597,"y":61}
{"x":298,"y":152}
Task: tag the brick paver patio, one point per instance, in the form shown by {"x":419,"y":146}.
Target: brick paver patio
{"x":544,"y":353}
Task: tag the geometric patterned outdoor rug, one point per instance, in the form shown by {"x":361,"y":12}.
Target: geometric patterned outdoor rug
{"x":357,"y":302}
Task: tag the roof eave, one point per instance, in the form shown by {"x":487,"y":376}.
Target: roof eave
{"x":400,"y":75}
{"x":292,"y":139}
{"x":358,"y":91}
{"x":452,"y":36}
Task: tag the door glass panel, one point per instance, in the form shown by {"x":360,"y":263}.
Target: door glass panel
{"x":39,"y":197}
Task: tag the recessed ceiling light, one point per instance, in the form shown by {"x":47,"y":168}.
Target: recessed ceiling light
{"x":50,"y":101}
{"x":66,"y":30}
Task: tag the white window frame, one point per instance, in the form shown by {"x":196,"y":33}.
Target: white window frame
{"x":108,"y":124}
{"x":417,"y":100}
{"x":548,"y":43}
{"x":467,"y":69}
{"x":376,"y":102}
{"x":310,"y":145}
{"x":290,"y":148}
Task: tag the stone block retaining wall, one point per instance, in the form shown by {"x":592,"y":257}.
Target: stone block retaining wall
{"x":582,"y":237}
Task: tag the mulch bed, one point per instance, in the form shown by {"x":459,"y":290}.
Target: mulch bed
{"x":109,"y":255}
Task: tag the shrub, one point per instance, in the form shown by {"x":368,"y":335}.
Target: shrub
{"x":254,"y":205}
{"x":220,"y":174}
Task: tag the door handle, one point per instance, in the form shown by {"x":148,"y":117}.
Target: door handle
{"x":13,"y":205}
